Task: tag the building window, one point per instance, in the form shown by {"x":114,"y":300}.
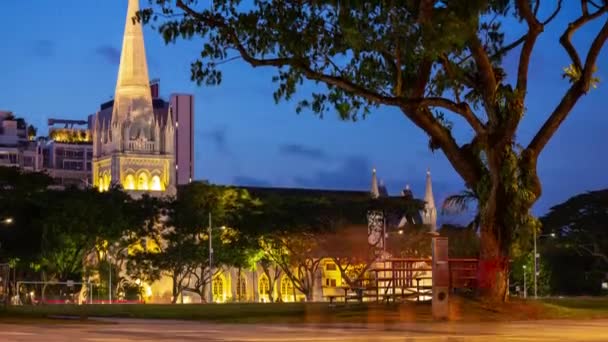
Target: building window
{"x":218,"y":289}
{"x":330,"y":267}
{"x":287,"y":292}
{"x":241,"y":288}
{"x":264,"y":286}
{"x":330,"y":282}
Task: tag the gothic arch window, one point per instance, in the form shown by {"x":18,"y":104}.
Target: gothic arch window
{"x":142,"y":181}
{"x":286,"y":289}
{"x":106,"y":182}
{"x":218,"y":289}
{"x":264,"y":285}
{"x":241,"y":288}
{"x":129,"y":182}
{"x":155,"y":184}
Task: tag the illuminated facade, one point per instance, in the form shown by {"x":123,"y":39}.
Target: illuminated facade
{"x":133,"y":147}
{"x":233,"y":285}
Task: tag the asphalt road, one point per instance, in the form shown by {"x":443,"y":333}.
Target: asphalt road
{"x":153,"y":330}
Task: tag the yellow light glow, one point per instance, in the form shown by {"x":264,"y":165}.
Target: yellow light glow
{"x":67,"y":135}
{"x":156,"y":184}
{"x":129,"y":183}
{"x":142,"y":181}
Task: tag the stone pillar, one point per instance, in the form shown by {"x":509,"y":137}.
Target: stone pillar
{"x":441,"y":278}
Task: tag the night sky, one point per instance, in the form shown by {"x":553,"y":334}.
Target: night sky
{"x":60,"y":59}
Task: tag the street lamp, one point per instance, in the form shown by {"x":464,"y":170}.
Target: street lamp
{"x":7,"y":220}
{"x":525,"y":288}
{"x":210,"y":231}
{"x":536,"y":257}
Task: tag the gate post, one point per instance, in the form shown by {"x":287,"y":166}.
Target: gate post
{"x":441,"y":278}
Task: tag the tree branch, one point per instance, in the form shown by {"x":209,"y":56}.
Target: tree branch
{"x":419,"y":115}
{"x":578,"y":89}
{"x":486,"y":75}
{"x":566,"y":38}
{"x":534,"y":30}
{"x":463,"y":109}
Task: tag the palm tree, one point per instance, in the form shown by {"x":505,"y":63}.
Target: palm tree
{"x":460,"y":203}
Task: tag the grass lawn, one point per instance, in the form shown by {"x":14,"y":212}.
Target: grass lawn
{"x":460,"y":310}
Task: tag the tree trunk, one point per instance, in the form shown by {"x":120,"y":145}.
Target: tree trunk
{"x":496,"y":236}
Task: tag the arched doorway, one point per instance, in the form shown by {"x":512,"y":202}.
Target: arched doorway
{"x":129,"y":182}
{"x":156,"y":185}
{"x":142,"y":181}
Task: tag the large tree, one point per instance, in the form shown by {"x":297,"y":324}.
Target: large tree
{"x":434,"y":60}
{"x":578,"y":252}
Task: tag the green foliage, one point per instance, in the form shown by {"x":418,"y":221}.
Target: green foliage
{"x":355,"y":42}
{"x":578,"y":255}
{"x":573,"y":74}
{"x":543,"y":279}
{"x":463,"y":242}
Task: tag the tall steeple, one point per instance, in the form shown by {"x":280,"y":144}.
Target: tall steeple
{"x":429,"y":215}
{"x":428,"y":191}
{"x":133,"y":97}
{"x":375,"y":190}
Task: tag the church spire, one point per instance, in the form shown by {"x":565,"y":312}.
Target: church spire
{"x":429,"y":215}
{"x":428,"y":191}
{"x":375,"y":191}
{"x":133,"y":97}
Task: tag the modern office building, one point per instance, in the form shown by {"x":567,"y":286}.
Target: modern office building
{"x":182,"y":106}
{"x":18,"y":148}
{"x":67,"y":152}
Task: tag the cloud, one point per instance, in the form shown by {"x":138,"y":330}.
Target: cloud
{"x":354,"y":173}
{"x":44,"y":48}
{"x":109,"y":53}
{"x":301,"y":151}
{"x":250,"y":181}
{"x":218,"y":137}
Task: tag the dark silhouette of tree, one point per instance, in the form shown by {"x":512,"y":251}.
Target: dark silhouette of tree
{"x":578,"y":254}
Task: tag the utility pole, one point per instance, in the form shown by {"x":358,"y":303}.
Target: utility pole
{"x":525,"y":285}
{"x":535,"y":267}
{"x":109,"y":278}
{"x":210,"y":262}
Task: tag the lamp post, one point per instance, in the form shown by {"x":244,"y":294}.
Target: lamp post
{"x":7,"y":220}
{"x":210,"y":231}
{"x":536,"y":257}
{"x":210,"y":262}
{"x":109,"y":278}
{"x":525,"y":288}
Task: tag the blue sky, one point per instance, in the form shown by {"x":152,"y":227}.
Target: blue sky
{"x":59,"y":59}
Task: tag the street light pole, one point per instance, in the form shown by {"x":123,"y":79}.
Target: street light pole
{"x":210,"y":262}
{"x":535,"y":267}
{"x":109,"y":279}
{"x":525,"y":287}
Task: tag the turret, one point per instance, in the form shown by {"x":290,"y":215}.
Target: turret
{"x":169,"y":133}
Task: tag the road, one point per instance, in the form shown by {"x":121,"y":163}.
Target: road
{"x":154,"y":330}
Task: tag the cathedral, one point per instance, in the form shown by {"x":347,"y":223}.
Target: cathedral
{"x":133,"y":146}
